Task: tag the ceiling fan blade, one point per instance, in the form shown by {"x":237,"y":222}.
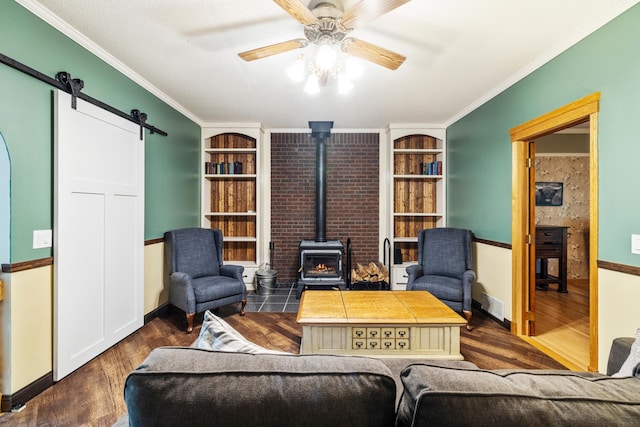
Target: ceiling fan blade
{"x":365,"y":11}
{"x":298,"y":10}
{"x":372,"y":53}
{"x":274,"y":49}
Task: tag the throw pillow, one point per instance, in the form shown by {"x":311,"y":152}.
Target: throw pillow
{"x":627,"y":368}
{"x":216,"y":334}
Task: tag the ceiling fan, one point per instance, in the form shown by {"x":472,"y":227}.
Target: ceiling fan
{"x":326,"y":22}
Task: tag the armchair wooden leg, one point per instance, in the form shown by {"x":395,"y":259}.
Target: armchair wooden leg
{"x":190,"y":322}
{"x":467,"y":314}
{"x":242,"y":305}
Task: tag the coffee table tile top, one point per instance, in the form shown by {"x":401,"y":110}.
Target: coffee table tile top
{"x":375,"y":307}
{"x":428,"y":309}
{"x":321,"y":307}
{"x":372,"y":307}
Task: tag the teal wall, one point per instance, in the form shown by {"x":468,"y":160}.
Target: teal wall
{"x":479,"y":148}
{"x":172,"y":192}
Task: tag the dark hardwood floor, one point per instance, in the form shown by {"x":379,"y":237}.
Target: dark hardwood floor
{"x":93,"y":395}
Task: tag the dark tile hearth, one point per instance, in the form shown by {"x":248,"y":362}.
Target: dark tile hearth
{"x":282,"y":300}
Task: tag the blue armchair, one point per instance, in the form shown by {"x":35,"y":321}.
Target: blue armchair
{"x":198,"y":279}
{"x":444,"y":267}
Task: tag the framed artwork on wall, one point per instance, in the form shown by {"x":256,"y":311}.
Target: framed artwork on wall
{"x":549,"y":193}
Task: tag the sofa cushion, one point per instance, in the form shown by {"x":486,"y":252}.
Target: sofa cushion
{"x":435,"y":395}
{"x":216,"y":334}
{"x":178,"y":386}
{"x":397,"y":365}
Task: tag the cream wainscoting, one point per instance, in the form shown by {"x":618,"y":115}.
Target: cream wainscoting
{"x":155,"y":293}
{"x":493,"y":270}
{"x":618,"y":296}
{"x":29,"y":335}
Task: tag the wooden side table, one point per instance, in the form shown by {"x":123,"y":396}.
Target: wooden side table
{"x":551,"y":243}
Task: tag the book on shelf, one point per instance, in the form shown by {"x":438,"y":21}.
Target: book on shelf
{"x":210,"y":167}
{"x":222,"y":168}
{"x":431,"y":168}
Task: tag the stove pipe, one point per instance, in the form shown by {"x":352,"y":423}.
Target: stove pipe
{"x":320,"y":131}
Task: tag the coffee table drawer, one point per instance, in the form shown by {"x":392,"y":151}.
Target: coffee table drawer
{"x":402,"y":344}
{"x":373,"y":333}
{"x":388,"y":344}
{"x":383,"y":338}
{"x":402,"y":333}
{"x":373,"y":343}
{"x":359,"y":333}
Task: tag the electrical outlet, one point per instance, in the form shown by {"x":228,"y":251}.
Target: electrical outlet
{"x":42,"y":239}
{"x":635,"y":244}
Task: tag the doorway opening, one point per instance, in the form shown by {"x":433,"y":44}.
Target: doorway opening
{"x":525,"y":264}
{"x":561,"y":294}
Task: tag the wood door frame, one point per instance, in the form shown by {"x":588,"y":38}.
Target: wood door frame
{"x":580,"y":111}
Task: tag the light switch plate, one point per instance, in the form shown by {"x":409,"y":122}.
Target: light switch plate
{"x":42,"y":239}
{"x":635,"y":244}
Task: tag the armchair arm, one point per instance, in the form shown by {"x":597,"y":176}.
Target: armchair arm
{"x":620,"y":349}
{"x":230,"y":270}
{"x":413,"y":271}
{"x":468,"y":277}
{"x":181,"y":292}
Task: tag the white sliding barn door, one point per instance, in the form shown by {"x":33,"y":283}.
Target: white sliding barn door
{"x":98,"y":232}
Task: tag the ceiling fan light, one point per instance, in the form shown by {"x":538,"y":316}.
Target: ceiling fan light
{"x":296,"y":70}
{"x":344,"y":84}
{"x":353,"y":68}
{"x":326,"y":57}
{"x":312,"y":86}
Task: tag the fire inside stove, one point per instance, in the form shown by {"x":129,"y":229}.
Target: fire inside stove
{"x":321,"y":264}
{"x":323,"y":269}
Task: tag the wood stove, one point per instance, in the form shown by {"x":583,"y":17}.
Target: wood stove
{"x":321,"y":263}
{"x":320,"y":259}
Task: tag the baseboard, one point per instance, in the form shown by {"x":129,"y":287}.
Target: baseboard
{"x":163,"y":310}
{"x":504,"y":323}
{"x":27,"y":393}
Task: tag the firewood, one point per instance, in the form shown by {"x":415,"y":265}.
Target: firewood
{"x":371,"y":272}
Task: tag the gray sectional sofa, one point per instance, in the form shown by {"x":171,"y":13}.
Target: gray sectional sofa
{"x":195,"y":387}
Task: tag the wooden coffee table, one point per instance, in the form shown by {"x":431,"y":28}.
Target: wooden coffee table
{"x":379,"y":323}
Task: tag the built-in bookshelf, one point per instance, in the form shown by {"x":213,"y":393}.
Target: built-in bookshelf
{"x":418,"y":193}
{"x":230,"y":193}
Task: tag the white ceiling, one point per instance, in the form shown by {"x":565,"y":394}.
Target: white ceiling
{"x":459,"y":54}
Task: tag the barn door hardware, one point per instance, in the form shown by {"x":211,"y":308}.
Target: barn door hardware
{"x":64,"y":82}
{"x":73,"y":86}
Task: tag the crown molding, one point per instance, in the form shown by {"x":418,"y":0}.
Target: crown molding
{"x":56,"y":22}
{"x":554,"y":51}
